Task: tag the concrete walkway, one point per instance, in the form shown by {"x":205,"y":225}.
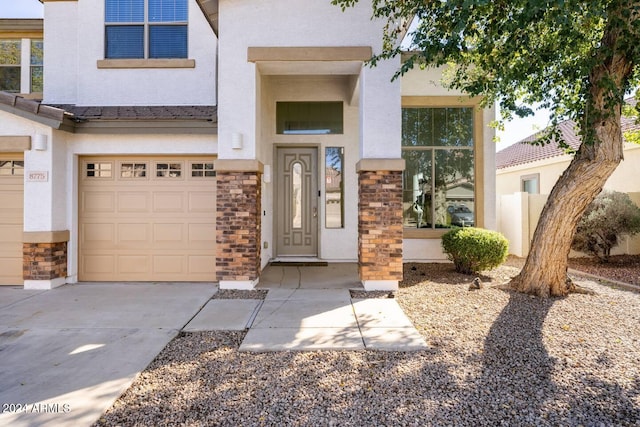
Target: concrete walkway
{"x":310,"y":308}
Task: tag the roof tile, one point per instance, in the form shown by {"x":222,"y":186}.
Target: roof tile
{"x":525,"y":151}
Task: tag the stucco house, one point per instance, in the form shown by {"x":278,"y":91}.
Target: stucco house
{"x":199,"y":140}
{"x":526,"y":174}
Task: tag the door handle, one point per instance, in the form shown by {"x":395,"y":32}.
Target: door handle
{"x":315,"y":211}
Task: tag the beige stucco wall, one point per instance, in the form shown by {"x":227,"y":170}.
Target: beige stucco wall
{"x":508,"y":184}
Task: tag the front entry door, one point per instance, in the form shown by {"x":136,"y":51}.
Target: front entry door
{"x":297,"y":202}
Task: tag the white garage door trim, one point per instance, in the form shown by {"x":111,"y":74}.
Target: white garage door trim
{"x":147,"y":218}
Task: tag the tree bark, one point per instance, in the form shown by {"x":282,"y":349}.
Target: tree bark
{"x":545,"y":270}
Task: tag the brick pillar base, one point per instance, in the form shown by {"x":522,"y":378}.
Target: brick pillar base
{"x":238,"y":227}
{"x":380,"y":228}
{"x":44,"y":265}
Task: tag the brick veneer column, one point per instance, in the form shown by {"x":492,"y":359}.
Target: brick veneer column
{"x":380,"y":223}
{"x":44,"y":259}
{"x":238,"y":223}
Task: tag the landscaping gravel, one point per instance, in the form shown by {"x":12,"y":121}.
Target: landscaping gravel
{"x":495,"y":358}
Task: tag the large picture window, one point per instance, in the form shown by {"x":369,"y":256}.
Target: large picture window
{"x":138,"y":29}
{"x":438,"y":181}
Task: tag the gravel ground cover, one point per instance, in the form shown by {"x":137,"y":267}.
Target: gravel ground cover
{"x":495,"y":358}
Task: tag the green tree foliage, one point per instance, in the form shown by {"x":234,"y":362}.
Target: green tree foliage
{"x":609,"y":217}
{"x":473,"y":249}
{"x":576,"y":58}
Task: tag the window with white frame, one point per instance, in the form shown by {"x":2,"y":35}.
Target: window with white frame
{"x":138,"y":29}
{"x":10,"y":60}
{"x":438,"y":181}
{"x":21,"y":65}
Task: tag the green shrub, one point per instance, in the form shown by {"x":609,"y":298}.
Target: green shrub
{"x":610,"y":216}
{"x":475,"y":249}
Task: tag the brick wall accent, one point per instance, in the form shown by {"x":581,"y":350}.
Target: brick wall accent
{"x":380,"y":225}
{"x":44,"y":261}
{"x":238,"y":225}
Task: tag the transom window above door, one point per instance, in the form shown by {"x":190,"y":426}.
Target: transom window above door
{"x":138,"y":29}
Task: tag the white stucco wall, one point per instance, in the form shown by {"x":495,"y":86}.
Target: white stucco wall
{"x":74,"y":34}
{"x":295,"y":23}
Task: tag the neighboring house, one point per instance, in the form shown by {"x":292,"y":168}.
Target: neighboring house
{"x":190,"y":140}
{"x":526,"y":174}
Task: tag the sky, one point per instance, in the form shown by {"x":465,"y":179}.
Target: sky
{"x":515,"y":131}
{"x":21,"y":9}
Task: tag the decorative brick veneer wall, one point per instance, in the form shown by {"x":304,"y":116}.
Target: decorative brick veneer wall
{"x":380,"y":225}
{"x":44,"y":261}
{"x":238,"y":225}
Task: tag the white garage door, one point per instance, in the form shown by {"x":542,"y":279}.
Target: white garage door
{"x":147,"y":219}
{"x":11,"y":208}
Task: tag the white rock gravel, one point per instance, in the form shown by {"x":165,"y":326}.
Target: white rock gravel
{"x":496,"y":358}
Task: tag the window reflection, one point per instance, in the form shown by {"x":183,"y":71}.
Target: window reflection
{"x":334,"y":187}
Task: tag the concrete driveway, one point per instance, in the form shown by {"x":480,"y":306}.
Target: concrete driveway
{"x":67,"y":354}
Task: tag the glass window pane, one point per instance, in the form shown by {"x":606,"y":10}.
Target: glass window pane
{"x":334,"y":187}
{"x":133,"y":170}
{"x":167,"y":10}
{"x":10,"y":52}
{"x":36,"y":79}
{"x":99,"y":170}
{"x":296,"y":196}
{"x":439,"y":127}
{"x":417,"y":188}
{"x":454,"y":188}
{"x":10,"y":79}
{"x":309,"y":118}
{"x":169,"y":170}
{"x":124,"y":11}
{"x":125,"y":41}
{"x":37,"y":52}
{"x":168,"y":41}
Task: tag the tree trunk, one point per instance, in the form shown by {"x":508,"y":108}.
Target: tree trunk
{"x":545,"y":270}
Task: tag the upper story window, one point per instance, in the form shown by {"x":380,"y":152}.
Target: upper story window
{"x":10,"y":59}
{"x":21,"y":65}
{"x":138,"y":29}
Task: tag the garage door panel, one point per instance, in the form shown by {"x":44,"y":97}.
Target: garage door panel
{"x":98,"y":235}
{"x":134,"y":201}
{"x":199,"y":264}
{"x":134,"y":264}
{"x":12,"y":202}
{"x":133,"y":235}
{"x":10,"y":270}
{"x":169,"y":264}
{"x":202,"y":201}
{"x":98,"y":265}
{"x":171,"y":234}
{"x":164,"y":202}
{"x":11,"y":233}
{"x":148,"y":228}
{"x":202,"y":233}
{"x":98,"y":202}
